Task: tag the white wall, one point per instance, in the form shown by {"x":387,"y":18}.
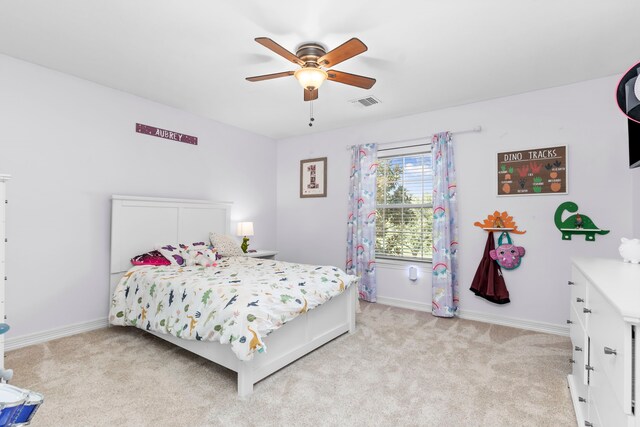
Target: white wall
{"x":583,"y":116}
{"x":70,"y":145}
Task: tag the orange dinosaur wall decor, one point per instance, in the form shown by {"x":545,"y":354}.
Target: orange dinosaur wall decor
{"x":499,"y":220}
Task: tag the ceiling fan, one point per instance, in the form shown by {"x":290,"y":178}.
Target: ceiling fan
{"x":313,"y":59}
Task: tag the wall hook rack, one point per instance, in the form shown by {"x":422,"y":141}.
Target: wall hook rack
{"x":499,"y":221}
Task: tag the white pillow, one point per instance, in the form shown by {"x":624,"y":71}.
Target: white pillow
{"x":225,"y":245}
{"x":205,"y":257}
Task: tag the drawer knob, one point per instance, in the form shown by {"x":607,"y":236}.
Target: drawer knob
{"x":570,"y":283}
{"x":572,"y":361}
{"x":588,"y":367}
{"x":569,"y":322}
{"x":608,"y":350}
{"x":579,"y":299}
{"x":581,"y":399}
{"x":588,"y":424}
{"x":586,"y":310}
{"x":576,"y":348}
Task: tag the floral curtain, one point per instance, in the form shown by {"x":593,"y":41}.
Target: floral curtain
{"x":361,"y":237}
{"x":445,"y":228}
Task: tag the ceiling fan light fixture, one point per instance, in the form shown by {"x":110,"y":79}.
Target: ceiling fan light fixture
{"x":310,"y":78}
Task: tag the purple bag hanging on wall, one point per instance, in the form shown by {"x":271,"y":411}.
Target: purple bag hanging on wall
{"x":488,"y":282}
{"x":507,"y":255}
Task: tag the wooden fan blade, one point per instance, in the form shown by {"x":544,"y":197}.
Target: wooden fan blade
{"x":351,"y":79}
{"x":346,"y":50}
{"x":270,"y":44}
{"x":270,"y":76}
{"x":310,"y":95}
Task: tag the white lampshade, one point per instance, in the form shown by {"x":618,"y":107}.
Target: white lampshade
{"x":245,"y":229}
{"x":310,"y":77}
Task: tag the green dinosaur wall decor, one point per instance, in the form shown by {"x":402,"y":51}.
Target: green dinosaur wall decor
{"x":576,"y":224}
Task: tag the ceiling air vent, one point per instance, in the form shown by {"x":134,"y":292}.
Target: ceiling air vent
{"x":365,"y":102}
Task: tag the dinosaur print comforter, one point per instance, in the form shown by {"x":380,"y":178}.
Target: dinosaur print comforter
{"x":237,"y":302}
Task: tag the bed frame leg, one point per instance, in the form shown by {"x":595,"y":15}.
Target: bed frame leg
{"x":245,"y":382}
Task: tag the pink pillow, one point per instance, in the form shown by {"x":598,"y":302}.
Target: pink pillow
{"x":150,"y":258}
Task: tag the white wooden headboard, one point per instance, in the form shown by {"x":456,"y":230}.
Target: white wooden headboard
{"x":139,"y":224}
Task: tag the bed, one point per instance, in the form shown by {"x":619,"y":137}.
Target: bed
{"x":139,"y":224}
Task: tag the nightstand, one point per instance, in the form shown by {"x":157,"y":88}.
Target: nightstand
{"x":264,"y":254}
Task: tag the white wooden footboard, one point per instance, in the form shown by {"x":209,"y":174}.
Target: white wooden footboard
{"x":302,"y":335}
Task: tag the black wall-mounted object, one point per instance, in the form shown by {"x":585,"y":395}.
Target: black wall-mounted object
{"x":628,"y":101}
{"x":626,"y":95}
{"x":634,"y":144}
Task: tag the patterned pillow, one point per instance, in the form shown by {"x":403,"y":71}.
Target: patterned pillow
{"x":150,"y":258}
{"x":200,"y":245}
{"x":226,"y":245}
{"x":183,"y":254}
{"x":175,"y":253}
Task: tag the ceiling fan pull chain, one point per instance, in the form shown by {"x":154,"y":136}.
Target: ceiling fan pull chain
{"x":311,"y":119}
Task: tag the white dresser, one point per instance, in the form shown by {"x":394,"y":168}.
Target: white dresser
{"x":604,"y":318}
{"x":3,"y":239}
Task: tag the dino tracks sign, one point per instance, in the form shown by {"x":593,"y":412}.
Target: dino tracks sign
{"x":534,"y":171}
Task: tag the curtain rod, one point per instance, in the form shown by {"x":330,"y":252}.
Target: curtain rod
{"x":472,"y":130}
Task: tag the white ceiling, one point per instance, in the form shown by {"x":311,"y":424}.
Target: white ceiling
{"x":425,"y":54}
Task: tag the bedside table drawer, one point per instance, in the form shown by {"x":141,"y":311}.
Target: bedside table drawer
{"x":263,"y":254}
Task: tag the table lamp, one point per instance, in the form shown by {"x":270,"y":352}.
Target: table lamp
{"x":245,"y":229}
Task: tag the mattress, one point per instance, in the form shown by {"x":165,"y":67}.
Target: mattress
{"x":238,"y":302}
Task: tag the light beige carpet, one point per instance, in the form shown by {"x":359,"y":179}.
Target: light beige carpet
{"x":401,"y":368}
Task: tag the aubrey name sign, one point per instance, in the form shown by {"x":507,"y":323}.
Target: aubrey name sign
{"x":166,"y":134}
{"x":535,"y":171}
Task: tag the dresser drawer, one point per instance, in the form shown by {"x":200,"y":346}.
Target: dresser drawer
{"x":610,"y":348}
{"x":578,"y":285}
{"x":579,"y":349}
{"x":604,"y":410}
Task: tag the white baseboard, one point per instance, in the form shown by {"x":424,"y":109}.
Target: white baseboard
{"x":52,"y":334}
{"x":529,"y":325}
{"x":403,"y":303}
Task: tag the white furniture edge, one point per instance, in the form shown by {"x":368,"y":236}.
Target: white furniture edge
{"x":168,"y":200}
{"x":512,"y":322}
{"x":623,"y":276}
{"x":140,"y":223}
{"x":616,"y":284}
{"x":3,"y":252}
{"x":571,"y":381}
{"x":261,"y":253}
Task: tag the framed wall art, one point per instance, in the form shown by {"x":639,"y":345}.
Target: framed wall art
{"x":532,"y":172}
{"x":313,"y":177}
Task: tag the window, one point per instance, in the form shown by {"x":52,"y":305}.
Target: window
{"x":404,"y":206}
